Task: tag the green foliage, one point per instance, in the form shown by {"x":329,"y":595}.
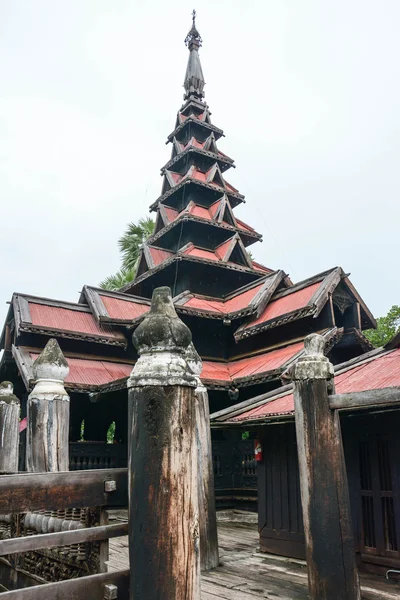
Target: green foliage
{"x":118,"y":280}
{"x":387,"y":327}
{"x":129,"y":245}
{"x":245,"y":435}
{"x":82,"y":431}
{"x":111,"y":433}
{"x":134,"y":236}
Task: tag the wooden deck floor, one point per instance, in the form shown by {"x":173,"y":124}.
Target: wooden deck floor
{"x":245,"y":574}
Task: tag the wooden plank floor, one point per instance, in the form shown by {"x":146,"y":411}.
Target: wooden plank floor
{"x":245,"y":574}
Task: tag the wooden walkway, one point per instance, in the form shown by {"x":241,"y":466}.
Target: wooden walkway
{"x":245,"y":574}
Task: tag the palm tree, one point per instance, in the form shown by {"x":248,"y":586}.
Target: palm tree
{"x":134,"y":236}
{"x":129,"y":245}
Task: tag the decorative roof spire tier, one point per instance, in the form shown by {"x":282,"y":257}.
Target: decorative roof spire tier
{"x":194,"y":78}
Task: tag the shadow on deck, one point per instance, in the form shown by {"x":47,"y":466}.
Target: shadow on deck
{"x":246,"y":574}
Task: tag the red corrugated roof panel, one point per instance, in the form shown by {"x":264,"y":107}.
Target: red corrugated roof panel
{"x":286,"y":304}
{"x":381,"y":372}
{"x":222,"y":249}
{"x":56,"y":317}
{"x":253,"y":365}
{"x":93,"y":372}
{"x":123,"y":309}
{"x":159,"y":255}
{"x":233,"y":304}
{"x":263,"y":362}
{"x":201,"y":253}
{"x":171,"y":213}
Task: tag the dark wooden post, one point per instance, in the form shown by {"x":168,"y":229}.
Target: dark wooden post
{"x":9,"y":428}
{"x":331,"y":563}
{"x":47,"y":439}
{"x":163,"y":497}
{"x":209,"y":556}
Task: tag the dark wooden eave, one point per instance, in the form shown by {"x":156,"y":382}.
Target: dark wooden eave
{"x":224,"y":161}
{"x":234,"y":198}
{"x":218,"y":133}
{"x":248,"y":237}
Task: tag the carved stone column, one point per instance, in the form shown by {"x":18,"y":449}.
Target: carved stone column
{"x":331,"y":563}
{"x":163,"y":500}
{"x":47,"y":440}
{"x":9,"y":428}
{"x":209,"y":556}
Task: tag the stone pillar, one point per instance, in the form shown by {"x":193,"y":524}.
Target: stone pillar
{"x":331,"y":563}
{"x":47,"y":439}
{"x":9,"y":428}
{"x":163,"y":497}
{"x":209,"y":557}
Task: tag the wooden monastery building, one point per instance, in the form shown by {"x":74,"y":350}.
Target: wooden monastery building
{"x":248,"y":323}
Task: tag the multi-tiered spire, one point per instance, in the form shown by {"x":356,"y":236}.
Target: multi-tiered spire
{"x":198,"y":242}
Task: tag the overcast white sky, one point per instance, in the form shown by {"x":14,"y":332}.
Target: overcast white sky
{"x":307,"y":92}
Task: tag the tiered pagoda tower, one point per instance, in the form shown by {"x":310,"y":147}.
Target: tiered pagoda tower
{"x":198,"y":244}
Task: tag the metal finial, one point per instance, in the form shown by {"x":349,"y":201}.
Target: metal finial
{"x":193,"y":37}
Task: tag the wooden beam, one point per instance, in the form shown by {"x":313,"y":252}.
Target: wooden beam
{"x":53,"y":491}
{"x":389,"y":396}
{"x":331,"y":564}
{"x":62,"y":538}
{"x":91,"y":587}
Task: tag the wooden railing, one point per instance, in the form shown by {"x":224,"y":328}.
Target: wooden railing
{"x":50,"y":491}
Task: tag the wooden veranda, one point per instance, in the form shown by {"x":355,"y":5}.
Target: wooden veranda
{"x":246,"y":574}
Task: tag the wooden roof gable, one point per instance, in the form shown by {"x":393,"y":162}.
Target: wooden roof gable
{"x":62,"y":319}
{"x":304,"y":299}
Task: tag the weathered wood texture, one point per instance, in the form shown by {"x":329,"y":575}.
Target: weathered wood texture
{"x":246,"y":574}
{"x":52,"y":491}
{"x":62,"y":538}
{"x":331,"y":563}
{"x":47,"y":441}
{"x":368,"y":399}
{"x":164,"y":527}
{"x":324,"y":493}
{"x":209,"y":557}
{"x":9,"y":429}
{"x":90,"y":588}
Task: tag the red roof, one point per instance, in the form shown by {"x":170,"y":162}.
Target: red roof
{"x":259,"y":267}
{"x":239,"y":302}
{"x":286,"y":304}
{"x":222,"y":249}
{"x":253,"y":365}
{"x":380,"y":372}
{"x":93,"y":372}
{"x":159,"y":255}
{"x":63,"y":319}
{"x":123,"y":309}
{"x":201,"y":253}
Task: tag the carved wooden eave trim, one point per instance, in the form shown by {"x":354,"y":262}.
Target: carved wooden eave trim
{"x":93,"y":296}
{"x":368,"y":316}
{"x":360,"y":338}
{"x":173,"y":190}
{"x":23,"y":322}
{"x":24,"y":364}
{"x":184,"y":216}
{"x":301,"y":313}
{"x":225,"y":160}
{"x":329,"y":281}
{"x":194,"y":259}
{"x":193,"y":120}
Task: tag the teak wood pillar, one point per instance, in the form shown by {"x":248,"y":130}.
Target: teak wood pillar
{"x":9,"y":428}
{"x":163,"y":496}
{"x":47,"y":439}
{"x":331,"y":563}
{"x":209,"y":555}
